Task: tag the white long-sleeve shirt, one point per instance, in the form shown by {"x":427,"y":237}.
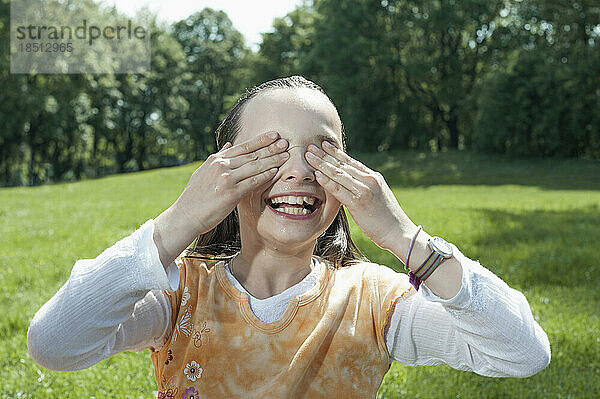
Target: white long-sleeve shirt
{"x":115,"y":303}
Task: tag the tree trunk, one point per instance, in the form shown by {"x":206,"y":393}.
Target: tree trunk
{"x":140,"y":155}
{"x":33,"y":177}
{"x":7,"y":179}
{"x":94,"y":150}
{"x":124,"y":156}
{"x":452,"y":124}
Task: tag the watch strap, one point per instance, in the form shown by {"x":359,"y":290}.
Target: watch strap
{"x":427,"y":268}
{"x":429,"y":265}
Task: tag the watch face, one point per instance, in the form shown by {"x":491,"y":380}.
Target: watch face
{"x":442,"y":246}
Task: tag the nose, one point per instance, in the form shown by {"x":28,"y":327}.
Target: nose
{"x":296,"y":169}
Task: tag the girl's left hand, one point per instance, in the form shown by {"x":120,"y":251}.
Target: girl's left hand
{"x":363,"y":191}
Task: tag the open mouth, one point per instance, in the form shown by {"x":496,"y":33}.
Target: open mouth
{"x":294,"y":205}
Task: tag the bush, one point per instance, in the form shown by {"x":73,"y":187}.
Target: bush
{"x":543,"y":105}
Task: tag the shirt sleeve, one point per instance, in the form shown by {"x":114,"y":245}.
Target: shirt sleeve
{"x":109,"y":304}
{"x":487,"y":327}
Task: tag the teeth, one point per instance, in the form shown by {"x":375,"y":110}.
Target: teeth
{"x":309,"y":200}
{"x":294,"y":211}
{"x":290,"y":199}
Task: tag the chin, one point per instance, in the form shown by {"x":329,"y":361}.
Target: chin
{"x":284,"y":234}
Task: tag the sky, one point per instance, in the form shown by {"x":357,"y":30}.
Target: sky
{"x":249,"y":17}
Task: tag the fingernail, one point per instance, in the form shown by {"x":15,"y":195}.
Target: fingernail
{"x":310,"y":154}
{"x":313,"y":147}
{"x":273,"y":135}
{"x":328,"y":144}
{"x":281,"y":143}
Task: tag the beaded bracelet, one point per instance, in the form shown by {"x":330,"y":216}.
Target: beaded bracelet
{"x":412,"y":242}
{"x":426,"y":269}
{"x":411,"y":277}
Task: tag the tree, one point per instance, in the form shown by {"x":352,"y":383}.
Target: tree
{"x":285,"y":51}
{"x":215,"y":54}
{"x":405,"y":68}
{"x":544,"y":100}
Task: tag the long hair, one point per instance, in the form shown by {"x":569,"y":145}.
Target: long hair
{"x":335,"y":245}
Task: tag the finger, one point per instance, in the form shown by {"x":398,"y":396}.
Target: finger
{"x":277,"y":147}
{"x":257,"y":166}
{"x":343,"y":185}
{"x":343,"y":157}
{"x":256,"y":181}
{"x":251,"y":145}
{"x":340,"y":192}
{"x":226,"y":146}
{"x":348,"y":167}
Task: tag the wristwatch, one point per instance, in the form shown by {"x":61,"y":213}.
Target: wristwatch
{"x":440,"y":246}
{"x":441,"y":250}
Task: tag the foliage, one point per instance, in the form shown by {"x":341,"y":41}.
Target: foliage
{"x":410,"y":66}
{"x":285,"y":51}
{"x":67,"y":127}
{"x":544,"y":100}
{"x":215,"y":53}
{"x":511,"y":77}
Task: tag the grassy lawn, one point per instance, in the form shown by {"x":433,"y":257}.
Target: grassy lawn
{"x":532,"y":222}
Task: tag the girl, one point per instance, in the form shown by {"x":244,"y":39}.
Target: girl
{"x":273,"y":299}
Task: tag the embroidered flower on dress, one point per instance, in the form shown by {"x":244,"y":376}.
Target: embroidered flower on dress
{"x":168,"y":394}
{"x":190,"y":393}
{"x":185,"y":297}
{"x":197,"y":337}
{"x":169,"y":356}
{"x":168,"y":390}
{"x":184,"y":326}
{"x":192,"y":371}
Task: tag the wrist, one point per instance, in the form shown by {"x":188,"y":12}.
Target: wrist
{"x":173,"y":233}
{"x":400,"y":246}
{"x":183,"y":216}
{"x":400,"y":232}
{"x":434,"y":264}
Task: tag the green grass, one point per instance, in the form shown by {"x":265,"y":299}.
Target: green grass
{"x":535,"y":223}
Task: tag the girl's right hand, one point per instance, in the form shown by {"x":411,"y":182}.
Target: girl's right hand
{"x":216,"y":187}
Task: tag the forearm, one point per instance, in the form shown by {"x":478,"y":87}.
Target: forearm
{"x":492,"y":333}
{"x":446,"y":280}
{"x":80,"y":322}
{"x":487,"y":327}
{"x":173,"y":232}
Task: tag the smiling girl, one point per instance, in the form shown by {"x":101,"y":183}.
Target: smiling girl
{"x":272,"y":298}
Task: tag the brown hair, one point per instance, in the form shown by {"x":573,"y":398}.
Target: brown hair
{"x":334,"y":245}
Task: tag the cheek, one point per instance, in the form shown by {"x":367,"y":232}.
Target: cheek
{"x":332,"y":205}
{"x":250,"y":205}
{"x":332,"y":201}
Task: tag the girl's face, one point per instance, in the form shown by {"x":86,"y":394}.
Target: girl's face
{"x":302,"y":117}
